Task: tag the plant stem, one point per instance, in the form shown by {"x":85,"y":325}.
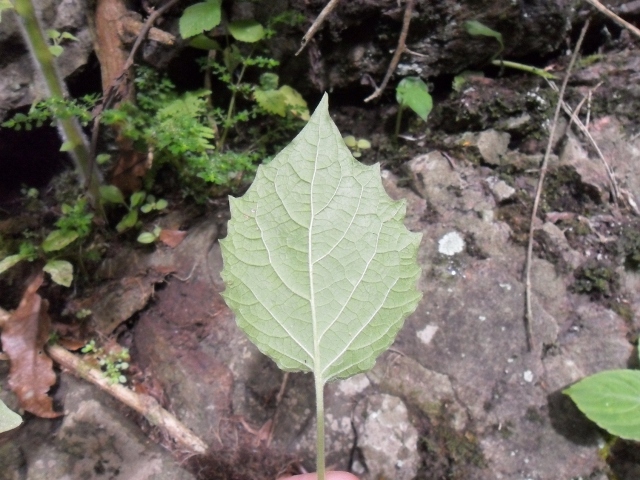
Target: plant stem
{"x":69,"y":128}
{"x":232,"y":103}
{"x":320,"y":426}
{"x":524,"y":68}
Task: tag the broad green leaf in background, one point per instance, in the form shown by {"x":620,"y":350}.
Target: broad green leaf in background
{"x":8,"y":418}
{"x":61,"y":272}
{"x":612,"y":400}
{"x":319,"y":268}
{"x":475,"y":28}
{"x":412,"y":92}
{"x":199,"y":18}
{"x":248,"y":31}
{"x":111,"y":194}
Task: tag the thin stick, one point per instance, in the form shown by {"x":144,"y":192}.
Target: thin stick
{"x":315,"y":26}
{"x":528,"y":320}
{"x":400,"y":49}
{"x":614,"y":17}
{"x":615,"y":191}
{"x":143,"y":404}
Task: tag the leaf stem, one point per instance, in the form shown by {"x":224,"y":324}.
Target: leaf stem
{"x":320,"y":425}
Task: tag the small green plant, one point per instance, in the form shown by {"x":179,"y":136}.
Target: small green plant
{"x":611,"y":399}
{"x":309,"y":212}
{"x":476,"y":28}
{"x":57,"y":38}
{"x":74,"y":224}
{"x":356,"y":145}
{"x":150,"y":237}
{"x":113,"y":361}
{"x":48,"y":111}
{"x":138,"y":202}
{"x":412,"y":92}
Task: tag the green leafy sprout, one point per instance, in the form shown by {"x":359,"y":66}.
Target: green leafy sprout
{"x":113,"y":363}
{"x":319,"y":268}
{"x":412,"y":92}
{"x":476,"y":28}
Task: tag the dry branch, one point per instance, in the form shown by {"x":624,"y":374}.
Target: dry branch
{"x":315,"y":26}
{"x":528,"y":319}
{"x":400,"y":49}
{"x":143,"y":404}
{"x":623,"y":23}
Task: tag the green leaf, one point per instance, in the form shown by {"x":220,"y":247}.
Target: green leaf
{"x":319,"y":267}
{"x":199,"y":18}
{"x":248,"y":31}
{"x":69,"y":36}
{"x":61,"y":272}
{"x":128,"y":221}
{"x":363,"y":144}
{"x":7,"y":262}
{"x":612,"y":400}
{"x":147,"y":237}
{"x":350,"y":141}
{"x":58,"y":239}
{"x":8,"y":419}
{"x":475,"y":28}
{"x":68,"y":145}
{"x":161,"y":204}
{"x":412,"y":92}
{"x":204,"y":43}
{"x":103,"y":158}
{"x":137,"y":198}
{"x":53,"y":34}
{"x":111,"y":194}
{"x":56,"y":51}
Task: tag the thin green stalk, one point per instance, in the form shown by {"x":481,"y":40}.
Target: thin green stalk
{"x":232,"y":103}
{"x":70,"y":129}
{"x":320,"y":426}
{"x":524,"y":68}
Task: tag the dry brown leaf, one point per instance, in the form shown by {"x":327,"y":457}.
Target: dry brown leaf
{"x":23,"y":339}
{"x":172,"y":238}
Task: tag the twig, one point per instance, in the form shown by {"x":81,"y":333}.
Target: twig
{"x":528,"y":320}
{"x":400,"y":49}
{"x":315,"y":26}
{"x":614,"y":17}
{"x":615,"y":191}
{"x":111,"y":92}
{"x":143,"y":404}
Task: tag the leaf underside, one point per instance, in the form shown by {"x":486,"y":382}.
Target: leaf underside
{"x":612,"y":400}
{"x":320,"y":270}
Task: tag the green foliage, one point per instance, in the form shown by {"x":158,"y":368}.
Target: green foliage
{"x":75,"y":223}
{"x":199,"y":18}
{"x":47,"y":111}
{"x":113,"y":362}
{"x":150,"y":237}
{"x":248,"y":31}
{"x":8,"y":419}
{"x":319,"y":268}
{"x":138,"y":202}
{"x":57,"y":38}
{"x":412,"y":92}
{"x":612,"y":400}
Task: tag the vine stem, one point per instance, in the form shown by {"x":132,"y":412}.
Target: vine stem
{"x":320,"y":461}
